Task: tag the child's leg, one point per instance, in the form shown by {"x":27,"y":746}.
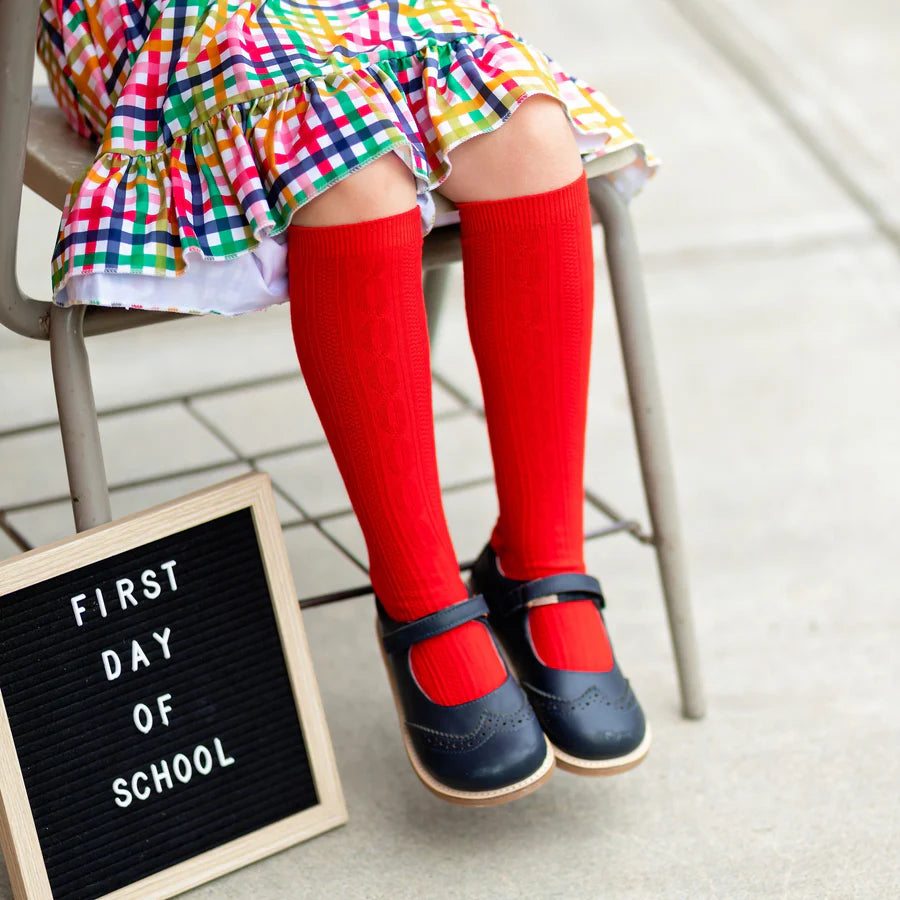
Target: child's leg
{"x":358,"y":319}
{"x":529,"y":279}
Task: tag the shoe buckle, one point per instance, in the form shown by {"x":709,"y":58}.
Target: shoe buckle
{"x":549,"y":600}
{"x":552,"y":599}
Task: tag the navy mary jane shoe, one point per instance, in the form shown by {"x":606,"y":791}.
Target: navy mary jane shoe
{"x":593,"y":719}
{"x":481,"y":753}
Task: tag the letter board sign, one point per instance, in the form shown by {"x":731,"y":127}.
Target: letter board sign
{"x":160,"y":723}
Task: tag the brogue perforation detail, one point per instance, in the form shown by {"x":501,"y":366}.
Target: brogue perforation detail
{"x":593,"y":696}
{"x":489,"y":725}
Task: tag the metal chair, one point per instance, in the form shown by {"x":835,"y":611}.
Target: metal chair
{"x":35,"y":142}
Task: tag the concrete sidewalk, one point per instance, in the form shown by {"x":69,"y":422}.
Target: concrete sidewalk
{"x":772,"y":246}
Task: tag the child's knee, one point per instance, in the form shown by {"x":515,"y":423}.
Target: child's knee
{"x":383,"y":187}
{"x":534,"y":150}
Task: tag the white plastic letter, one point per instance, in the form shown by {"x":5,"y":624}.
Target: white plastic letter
{"x":120,"y":788}
{"x":77,"y":608}
{"x":138,"y":656}
{"x":141,"y":795}
{"x":163,"y":641}
{"x":113,"y":669}
{"x":168,"y":566}
{"x":125,"y":590}
{"x":164,"y":708}
{"x":182,"y":766}
{"x":143,"y":718}
{"x":151,"y":586}
{"x":201,"y":753}
{"x":223,"y":759}
{"x":161,"y":775}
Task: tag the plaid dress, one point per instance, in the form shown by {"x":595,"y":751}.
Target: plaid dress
{"x":216,"y":119}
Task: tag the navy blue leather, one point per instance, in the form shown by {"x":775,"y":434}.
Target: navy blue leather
{"x":486,"y":744}
{"x":400,"y":636}
{"x":568,"y":586}
{"x":590,"y":715}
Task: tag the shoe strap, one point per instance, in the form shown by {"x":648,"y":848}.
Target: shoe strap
{"x":400,"y":636}
{"x":568,"y":586}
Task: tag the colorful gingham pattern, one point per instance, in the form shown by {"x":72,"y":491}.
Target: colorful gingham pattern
{"x":218,"y":119}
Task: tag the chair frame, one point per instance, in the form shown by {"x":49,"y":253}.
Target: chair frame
{"x":21,"y":163}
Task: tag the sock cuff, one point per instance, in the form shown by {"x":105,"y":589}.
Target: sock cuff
{"x":558,"y":205}
{"x":371,"y":235}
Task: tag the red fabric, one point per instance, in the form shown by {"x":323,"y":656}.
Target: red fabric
{"x":529,"y":286}
{"x":358,"y":319}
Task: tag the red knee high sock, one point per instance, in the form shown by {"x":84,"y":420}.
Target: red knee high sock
{"x":358,"y":319}
{"x":529,"y":286}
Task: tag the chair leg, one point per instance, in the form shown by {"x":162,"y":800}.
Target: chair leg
{"x":635,"y":339}
{"x":78,"y":418}
{"x":435,"y":289}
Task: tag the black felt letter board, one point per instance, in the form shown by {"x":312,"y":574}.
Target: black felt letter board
{"x":196,"y":647}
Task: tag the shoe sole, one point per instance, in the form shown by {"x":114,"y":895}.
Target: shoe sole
{"x":599,"y":767}
{"x":465,"y":798}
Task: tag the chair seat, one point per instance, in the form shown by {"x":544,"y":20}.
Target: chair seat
{"x":55,"y":155}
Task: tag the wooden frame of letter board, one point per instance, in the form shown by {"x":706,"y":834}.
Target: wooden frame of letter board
{"x":18,"y":834}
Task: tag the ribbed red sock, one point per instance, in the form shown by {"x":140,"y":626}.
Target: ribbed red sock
{"x":529,"y":285}
{"x":358,"y":318}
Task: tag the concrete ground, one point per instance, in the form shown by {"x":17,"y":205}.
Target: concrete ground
{"x":771,"y":241}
